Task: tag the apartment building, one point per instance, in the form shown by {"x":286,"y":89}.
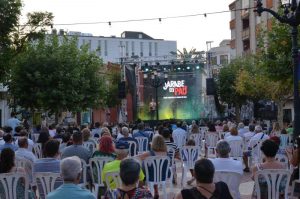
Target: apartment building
{"x":245,"y":24}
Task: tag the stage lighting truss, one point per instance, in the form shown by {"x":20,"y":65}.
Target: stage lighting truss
{"x":176,"y":67}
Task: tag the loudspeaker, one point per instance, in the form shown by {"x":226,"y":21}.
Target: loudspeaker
{"x":122,"y":90}
{"x":210,"y":86}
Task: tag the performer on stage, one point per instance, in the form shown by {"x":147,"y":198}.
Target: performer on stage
{"x":152,"y":108}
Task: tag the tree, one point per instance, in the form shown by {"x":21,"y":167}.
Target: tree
{"x":14,"y":36}
{"x":53,"y":75}
{"x":192,"y":54}
{"x":226,"y":86}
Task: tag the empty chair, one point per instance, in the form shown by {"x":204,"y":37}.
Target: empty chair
{"x":47,"y":182}
{"x":211,"y":140}
{"x":232,"y":179}
{"x":112,"y":176}
{"x":271,"y":183}
{"x":37,"y":150}
{"x":236,"y":148}
{"x":10,"y":183}
{"x":157,"y":170}
{"x":189,"y":155}
{"x":179,"y":140}
{"x":142,"y":144}
{"x":132,"y":148}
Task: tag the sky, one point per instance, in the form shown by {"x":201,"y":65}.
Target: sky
{"x":190,"y":32}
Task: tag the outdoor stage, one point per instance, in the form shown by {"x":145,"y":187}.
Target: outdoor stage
{"x":181,"y":95}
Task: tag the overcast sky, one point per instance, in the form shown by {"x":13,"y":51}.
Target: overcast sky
{"x":188,"y":32}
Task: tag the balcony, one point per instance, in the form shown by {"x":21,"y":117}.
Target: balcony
{"x":245,"y":33}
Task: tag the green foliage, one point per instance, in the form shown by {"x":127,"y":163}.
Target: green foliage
{"x":112,"y":80}
{"x":52,"y":74}
{"x":13,"y":36}
{"x":226,"y":83}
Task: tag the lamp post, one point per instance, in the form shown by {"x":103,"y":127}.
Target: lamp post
{"x":156,"y":79}
{"x":291,"y":16}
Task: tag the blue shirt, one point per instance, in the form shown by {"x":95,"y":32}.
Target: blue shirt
{"x":70,"y":191}
{"x":8,"y":145}
{"x":13,"y":123}
{"x":47,"y":165}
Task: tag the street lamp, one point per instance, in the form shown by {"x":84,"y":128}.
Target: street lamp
{"x":291,"y":16}
{"x":156,"y":79}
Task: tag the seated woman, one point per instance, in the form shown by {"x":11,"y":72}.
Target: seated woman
{"x":204,"y":173}
{"x":158,"y":148}
{"x":106,"y":148}
{"x":129,"y":173}
{"x":234,"y":135}
{"x":7,"y":165}
{"x":269,"y":149}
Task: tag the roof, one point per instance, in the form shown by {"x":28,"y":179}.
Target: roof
{"x":135,"y":35}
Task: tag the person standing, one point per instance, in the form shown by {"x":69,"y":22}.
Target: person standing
{"x":13,"y":122}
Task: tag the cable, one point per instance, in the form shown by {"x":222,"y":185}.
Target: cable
{"x":149,"y":19}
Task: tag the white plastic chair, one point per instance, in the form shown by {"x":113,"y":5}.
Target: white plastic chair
{"x":142,"y":144}
{"x":236,"y":147}
{"x":297,"y":181}
{"x":221,"y":135}
{"x":197,"y":137}
{"x":203,"y":129}
{"x":256,"y":154}
{"x":273,"y":178}
{"x":232,"y":179}
{"x":132,"y":148}
{"x":160,"y":167}
{"x":35,"y":137}
{"x":97,"y":165}
{"x":246,"y":142}
{"x":151,"y":134}
{"x":211,"y":140}
{"x":284,"y":141}
{"x":112,"y":177}
{"x":47,"y":182}
{"x":90,"y":146}
{"x":84,"y":167}
{"x":171,"y":154}
{"x":189,"y":155}
{"x":37,"y":150}
{"x":9,"y":182}
{"x":27,"y":165}
{"x":179,"y":140}
{"x":283,"y":159}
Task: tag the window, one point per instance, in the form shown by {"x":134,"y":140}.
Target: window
{"x":213,"y":60}
{"x":150,"y":49}
{"x":99,"y":48}
{"x":155,"y":49}
{"x":90,"y":45}
{"x":223,"y":59}
{"x":126,"y":49}
{"x":105,"y":48}
{"x":132,"y":48}
{"x":141,"y":49}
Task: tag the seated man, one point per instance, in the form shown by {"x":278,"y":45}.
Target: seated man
{"x":70,"y":172}
{"x":8,"y":139}
{"x":223,"y":162}
{"x":122,"y":152}
{"x":23,"y":151}
{"x":125,"y":132}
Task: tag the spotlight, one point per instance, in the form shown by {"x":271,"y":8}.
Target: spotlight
{"x":188,"y":68}
{"x":197,"y":67}
{"x":178,"y":68}
{"x":146,"y":69}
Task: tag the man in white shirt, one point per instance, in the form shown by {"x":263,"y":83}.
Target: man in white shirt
{"x":13,"y":122}
{"x":241,"y":129}
{"x":259,"y":136}
{"x":23,"y":152}
{"x":24,"y":133}
{"x":179,"y":131}
{"x":223,"y":162}
{"x":251,"y":132}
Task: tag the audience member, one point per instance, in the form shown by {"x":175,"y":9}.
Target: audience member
{"x":51,"y":161}
{"x":122,"y":149}
{"x":66,"y":137}
{"x":276,"y":130}
{"x":106,"y":148}
{"x":8,"y":139}
{"x":71,"y":169}
{"x":23,"y":151}
{"x":130,"y":171}
{"x":13,"y":122}
{"x":234,"y":135}
{"x":97,"y":130}
{"x":223,"y":162}
{"x":179,"y":130}
{"x":1,"y":138}
{"x":43,"y":137}
{"x":241,"y":129}
{"x":76,"y":149}
{"x":24,"y":133}
{"x":204,"y":174}
{"x":127,"y":137}
{"x":52,"y":130}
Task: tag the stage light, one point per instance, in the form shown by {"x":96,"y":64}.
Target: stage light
{"x":178,"y":68}
{"x":188,"y":68}
{"x":146,"y":69}
{"x":197,"y":67}
{"x":165,"y":68}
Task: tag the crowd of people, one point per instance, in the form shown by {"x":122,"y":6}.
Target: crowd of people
{"x":63,"y":150}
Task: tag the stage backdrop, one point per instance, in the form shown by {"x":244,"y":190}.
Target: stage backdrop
{"x":180,"y":97}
